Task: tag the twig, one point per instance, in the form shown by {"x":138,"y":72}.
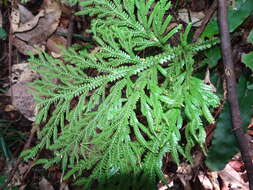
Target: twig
{"x":231,"y":88}
{"x":208,"y":16}
{"x":10,"y":44}
{"x":70,"y":30}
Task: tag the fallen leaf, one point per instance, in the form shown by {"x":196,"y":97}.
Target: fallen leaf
{"x":46,"y":25}
{"x":184,"y":173}
{"x":207,"y":80}
{"x":25,"y":48}
{"x":31,"y":35}
{"x":23,"y":100}
{"x":208,"y":182}
{"x":45,"y":185}
{"x":237,"y":165}
{"x":195,"y":17}
{"x":22,"y":19}
{"x":53,"y":44}
{"x":232,"y":179}
{"x":25,"y":14}
{"x":22,"y":73}
{"x":30,"y":24}
{"x":64,"y":186}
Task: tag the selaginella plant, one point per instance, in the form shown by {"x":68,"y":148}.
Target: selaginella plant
{"x":112,"y":114}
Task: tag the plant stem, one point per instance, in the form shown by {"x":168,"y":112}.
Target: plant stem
{"x":231,"y":88}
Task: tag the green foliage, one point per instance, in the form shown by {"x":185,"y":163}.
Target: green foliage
{"x":117,"y":112}
{"x":9,"y":136}
{"x":247,"y":59}
{"x":213,"y":55}
{"x":236,"y":16}
{"x":223,"y":149}
{"x":3,"y":34}
{"x":2,"y":181}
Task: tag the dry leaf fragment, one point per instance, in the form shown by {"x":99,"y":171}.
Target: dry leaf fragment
{"x":205,"y":181}
{"x":1,"y":19}
{"x":24,"y":101}
{"x":232,"y":178}
{"x":45,"y":185}
{"x":32,"y":35}
{"x":25,"y":14}
{"x":45,"y":27}
{"x":15,"y":19}
{"x":237,"y":165}
{"x":64,"y":186}
{"x":184,"y":173}
{"x":54,"y":42}
{"x":22,"y":73}
{"x":196,"y":17}
{"x":25,"y":48}
{"x":9,"y":108}
{"x":22,"y":98}
{"x":207,"y":80}
{"x":30,"y":24}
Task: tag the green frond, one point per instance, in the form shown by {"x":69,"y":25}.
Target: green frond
{"x":120,"y":110}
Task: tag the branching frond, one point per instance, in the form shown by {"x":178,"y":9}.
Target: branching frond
{"x":119,"y":111}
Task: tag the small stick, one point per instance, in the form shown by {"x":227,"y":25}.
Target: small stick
{"x":70,"y":31}
{"x":231,"y":90}
{"x":10,"y":45}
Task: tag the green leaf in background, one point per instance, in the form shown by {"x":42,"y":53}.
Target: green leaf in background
{"x":212,"y":56}
{"x":224,"y":145}
{"x":3,"y":34}
{"x":2,"y":182}
{"x":4,"y":148}
{"x":247,"y":59}
{"x":250,"y":37}
{"x":236,"y":16}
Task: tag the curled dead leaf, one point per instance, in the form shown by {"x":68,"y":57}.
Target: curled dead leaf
{"x":45,"y":27}
{"x":30,"y":24}
{"x":25,"y":14}
{"x":33,"y":33}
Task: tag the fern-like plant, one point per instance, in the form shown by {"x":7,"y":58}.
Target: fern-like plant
{"x":114,"y":114}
